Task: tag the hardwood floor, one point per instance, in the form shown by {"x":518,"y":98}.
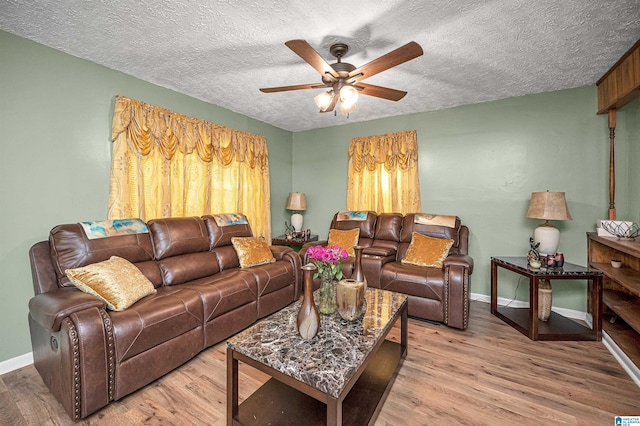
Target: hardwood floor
{"x":487,"y":375}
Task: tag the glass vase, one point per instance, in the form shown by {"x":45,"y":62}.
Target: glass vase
{"x":327,"y":300}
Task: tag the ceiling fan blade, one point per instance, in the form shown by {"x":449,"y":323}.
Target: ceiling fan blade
{"x":332,"y":105}
{"x":380,"y":92}
{"x":287,"y":88}
{"x":399,"y":56}
{"x":310,"y":56}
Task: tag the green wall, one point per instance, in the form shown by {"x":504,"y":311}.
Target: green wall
{"x":628,"y":139}
{"x":55,"y":157}
{"x":480,"y":162}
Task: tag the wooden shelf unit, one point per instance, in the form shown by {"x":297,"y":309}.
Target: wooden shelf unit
{"x":621,"y":290}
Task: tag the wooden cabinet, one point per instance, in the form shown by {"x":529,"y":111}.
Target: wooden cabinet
{"x":621,"y":290}
{"x":620,"y":84}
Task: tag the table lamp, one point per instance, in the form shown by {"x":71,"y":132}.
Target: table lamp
{"x":548,"y":206}
{"x":296,"y":202}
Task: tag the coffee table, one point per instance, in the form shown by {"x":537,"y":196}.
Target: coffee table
{"x":341,"y":376}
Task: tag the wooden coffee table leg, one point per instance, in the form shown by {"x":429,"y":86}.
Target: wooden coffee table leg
{"x":403,"y":330}
{"x":232,"y":387}
{"x":334,"y":412}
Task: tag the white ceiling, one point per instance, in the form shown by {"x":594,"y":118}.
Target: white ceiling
{"x":223,"y":51}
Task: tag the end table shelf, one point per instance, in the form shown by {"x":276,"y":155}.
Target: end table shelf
{"x":557,"y":327}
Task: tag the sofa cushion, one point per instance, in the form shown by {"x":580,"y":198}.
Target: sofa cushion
{"x":181,"y":247}
{"x":220,"y":236}
{"x":178,"y":235}
{"x":116,"y":281}
{"x":159,"y":318}
{"x":367,"y":227}
{"x":427,"y":251}
{"x":225,"y":292}
{"x":220,"y":241}
{"x":70,"y":249}
{"x":418,"y":281}
{"x":346,"y":240}
{"x":252,"y":251}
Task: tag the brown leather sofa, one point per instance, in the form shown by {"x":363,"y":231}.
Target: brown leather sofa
{"x":89,"y":356}
{"x":435,"y":294}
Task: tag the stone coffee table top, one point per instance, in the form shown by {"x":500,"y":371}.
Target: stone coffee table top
{"x":330,"y":359}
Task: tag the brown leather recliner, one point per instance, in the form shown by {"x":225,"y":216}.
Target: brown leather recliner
{"x":88,"y":355}
{"x":435,"y":294}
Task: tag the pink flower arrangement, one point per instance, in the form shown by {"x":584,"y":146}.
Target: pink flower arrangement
{"x":327,"y":260}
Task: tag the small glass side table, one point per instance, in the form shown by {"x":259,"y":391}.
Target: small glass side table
{"x":525,"y":320}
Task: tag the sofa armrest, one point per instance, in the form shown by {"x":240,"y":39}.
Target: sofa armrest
{"x":279,"y":251}
{"x":459,"y":260}
{"x":290,"y":255}
{"x":49,"y":309}
{"x":379,"y":251}
{"x":457,"y":269}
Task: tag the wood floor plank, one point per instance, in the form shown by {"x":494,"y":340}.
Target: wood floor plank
{"x":489,"y":374}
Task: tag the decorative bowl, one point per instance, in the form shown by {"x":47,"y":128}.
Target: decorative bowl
{"x":616,"y":263}
{"x":620,"y":229}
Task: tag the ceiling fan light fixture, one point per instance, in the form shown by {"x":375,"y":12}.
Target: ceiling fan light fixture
{"x":348,"y":96}
{"x":347,"y":109}
{"x":323,"y":100}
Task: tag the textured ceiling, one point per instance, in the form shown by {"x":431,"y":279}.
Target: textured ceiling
{"x":222,"y":52}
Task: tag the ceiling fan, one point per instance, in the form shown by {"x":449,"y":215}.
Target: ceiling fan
{"x":343,"y":80}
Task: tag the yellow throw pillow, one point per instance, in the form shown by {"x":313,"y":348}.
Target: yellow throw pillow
{"x":116,"y":281}
{"x":427,"y":251}
{"x":346,"y":240}
{"x":252,"y":251}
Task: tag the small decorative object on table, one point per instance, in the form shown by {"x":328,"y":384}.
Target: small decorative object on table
{"x":289,"y":230}
{"x":551,"y":260}
{"x":616,"y":263}
{"x":327,"y":260}
{"x":533,"y":256}
{"x":308,"y":320}
{"x":544,"y":286}
{"x":350,"y":293}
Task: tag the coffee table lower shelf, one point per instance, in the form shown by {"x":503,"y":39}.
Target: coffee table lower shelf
{"x":275,"y":403}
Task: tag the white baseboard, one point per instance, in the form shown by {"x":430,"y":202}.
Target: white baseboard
{"x":627,"y":365}
{"x":16,"y":363}
{"x":569,"y":313}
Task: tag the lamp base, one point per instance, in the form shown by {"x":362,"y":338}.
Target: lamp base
{"x":296,"y":221}
{"x":548,"y":236}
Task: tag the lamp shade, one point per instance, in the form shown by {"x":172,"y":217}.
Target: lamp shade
{"x":297,"y":201}
{"x":548,"y":206}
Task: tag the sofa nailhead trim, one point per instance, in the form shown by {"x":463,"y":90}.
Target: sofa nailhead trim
{"x":76,"y":367}
{"x":108,"y":327}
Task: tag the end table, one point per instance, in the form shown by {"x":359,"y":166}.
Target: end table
{"x":295,"y":243}
{"x":525,"y":320}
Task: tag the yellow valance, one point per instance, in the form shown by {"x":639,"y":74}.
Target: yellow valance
{"x":150,"y":127}
{"x":393,"y":150}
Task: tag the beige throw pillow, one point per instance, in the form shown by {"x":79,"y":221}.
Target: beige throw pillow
{"x":346,"y":240}
{"x":427,"y":251}
{"x":252,"y":251}
{"x":116,"y":281}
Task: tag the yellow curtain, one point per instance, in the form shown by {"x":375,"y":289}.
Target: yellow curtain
{"x":165,"y":164}
{"x":383,"y":173}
